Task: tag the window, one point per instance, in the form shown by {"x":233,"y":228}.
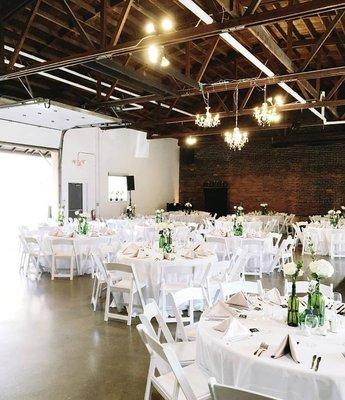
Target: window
{"x":117,"y":188}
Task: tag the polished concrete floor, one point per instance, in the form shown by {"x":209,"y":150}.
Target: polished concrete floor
{"x":53,"y":346}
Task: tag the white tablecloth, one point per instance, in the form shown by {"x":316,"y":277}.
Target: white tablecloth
{"x":235,"y":364}
{"x":149,"y":270}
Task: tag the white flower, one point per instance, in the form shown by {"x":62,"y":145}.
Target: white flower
{"x":322,"y":268}
{"x":240,"y":208}
{"x":331,"y":212}
{"x":338,"y":212}
{"x":289,"y":268}
{"x":263,"y":205}
{"x":342,"y":207}
{"x":77,"y":212}
{"x":235,"y":207}
{"x":162,"y":211}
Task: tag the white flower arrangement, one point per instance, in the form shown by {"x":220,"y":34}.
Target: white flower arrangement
{"x":188,"y":205}
{"x":321,"y":269}
{"x":342,"y":207}
{"x":240,"y":208}
{"x":291,"y":269}
{"x":263,"y":205}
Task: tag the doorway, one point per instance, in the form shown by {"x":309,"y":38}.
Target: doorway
{"x":216,"y":200}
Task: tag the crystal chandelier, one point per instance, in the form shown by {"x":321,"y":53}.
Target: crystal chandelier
{"x":268,"y":112}
{"x":236,"y":139}
{"x":207,"y":120}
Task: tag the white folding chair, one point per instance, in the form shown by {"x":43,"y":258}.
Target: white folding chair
{"x":227,"y":289}
{"x":168,"y":377}
{"x":220,"y":247}
{"x":238,"y":264}
{"x":185,"y":351}
{"x":126,"y":283}
{"x":181,"y":299}
{"x":99,"y":279}
{"x":302,"y":287}
{"x":286,"y":251}
{"x":35,"y":254}
{"x":223,"y":392}
{"x":173,"y":278}
{"x":62,"y":250}
{"x":215,"y":273}
{"x":254,"y":248}
{"x":337,"y":247}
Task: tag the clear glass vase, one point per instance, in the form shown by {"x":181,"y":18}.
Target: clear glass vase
{"x":293,"y":307}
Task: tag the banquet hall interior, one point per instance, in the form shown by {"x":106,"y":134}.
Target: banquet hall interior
{"x":173,"y":199}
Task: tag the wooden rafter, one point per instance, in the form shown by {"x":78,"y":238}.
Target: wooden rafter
{"x":122,"y":19}
{"x":210,"y":52}
{"x":335,"y":88}
{"x":104,"y":20}
{"x":78,"y":25}
{"x":24,"y":34}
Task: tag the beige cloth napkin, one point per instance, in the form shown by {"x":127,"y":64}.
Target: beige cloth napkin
{"x":203,"y":251}
{"x":131,"y":250}
{"x":273,"y":296}
{"x":233,"y":329}
{"x":220,"y":310}
{"x":239,"y":300}
{"x":190,"y":254}
{"x":287,"y":346}
{"x":143,"y":253}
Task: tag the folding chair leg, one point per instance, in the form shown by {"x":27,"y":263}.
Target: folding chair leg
{"x":71,"y":269}
{"x":107,"y":304}
{"x":148,"y":389}
{"x":93,"y":293}
{"x":130,"y":309}
{"x":53,"y":268}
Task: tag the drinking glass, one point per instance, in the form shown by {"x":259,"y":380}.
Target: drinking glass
{"x":311,"y":322}
{"x":337,"y":299}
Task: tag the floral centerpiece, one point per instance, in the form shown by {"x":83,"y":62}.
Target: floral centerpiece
{"x":188,"y":207}
{"x":83,"y":225}
{"x":264,"y":208}
{"x":61,"y":215}
{"x":165,"y":237}
{"x":130,"y":211}
{"x":334,"y":217}
{"x":159,"y":216}
{"x":320,"y":269}
{"x":293,"y":271}
{"x":238,"y":221}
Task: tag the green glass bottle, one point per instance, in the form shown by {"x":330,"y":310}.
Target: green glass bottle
{"x":162,"y":241}
{"x":293,"y":307}
{"x":318,"y":304}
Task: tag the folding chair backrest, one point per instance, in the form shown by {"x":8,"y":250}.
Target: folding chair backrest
{"x":222,"y":392}
{"x":171,"y":273}
{"x":100,"y":267}
{"x":151,"y":311}
{"x":238,"y":264}
{"x":229,"y":288}
{"x":165,"y":355}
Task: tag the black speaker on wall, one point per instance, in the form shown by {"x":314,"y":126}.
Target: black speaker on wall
{"x":130,"y":183}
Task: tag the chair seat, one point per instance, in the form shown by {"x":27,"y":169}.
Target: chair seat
{"x":125,"y":284}
{"x":196,"y":377}
{"x":174,"y":287}
{"x":185,"y":351}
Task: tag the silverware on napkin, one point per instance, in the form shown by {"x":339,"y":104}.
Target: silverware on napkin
{"x":313,"y":362}
{"x":318,"y":363}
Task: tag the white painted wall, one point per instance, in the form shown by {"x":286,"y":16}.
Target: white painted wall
{"x":113,"y":151}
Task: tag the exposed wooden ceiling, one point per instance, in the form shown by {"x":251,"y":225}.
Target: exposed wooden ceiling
{"x":91,"y":54}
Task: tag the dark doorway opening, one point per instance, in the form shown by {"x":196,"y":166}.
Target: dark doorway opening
{"x":216,"y":198}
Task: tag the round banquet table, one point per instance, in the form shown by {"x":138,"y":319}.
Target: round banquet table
{"x":149,"y":270}
{"x":83,"y":246}
{"x":234,"y":363}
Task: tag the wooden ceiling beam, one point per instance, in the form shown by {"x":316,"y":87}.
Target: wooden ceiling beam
{"x":323,"y":38}
{"x":121,"y":22}
{"x":335,"y":88}
{"x":299,"y":10}
{"x":243,"y":84}
{"x":250,"y":111}
{"x":23,"y":35}
{"x":210,"y":52}
{"x":78,"y":25}
{"x":11,"y":7}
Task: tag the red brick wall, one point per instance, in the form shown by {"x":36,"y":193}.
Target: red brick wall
{"x":303,"y":180}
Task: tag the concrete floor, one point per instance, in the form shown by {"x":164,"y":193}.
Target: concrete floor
{"x":53,"y":346}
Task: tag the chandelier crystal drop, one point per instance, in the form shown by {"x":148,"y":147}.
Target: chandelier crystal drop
{"x":267,"y":113}
{"x":207,"y":120}
{"x":236,"y":139}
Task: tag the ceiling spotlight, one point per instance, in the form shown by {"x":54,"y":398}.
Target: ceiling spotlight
{"x":191,"y":140}
{"x":167,"y":24}
{"x":165,"y":62}
{"x":149,"y":28}
{"x":153,"y":53}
